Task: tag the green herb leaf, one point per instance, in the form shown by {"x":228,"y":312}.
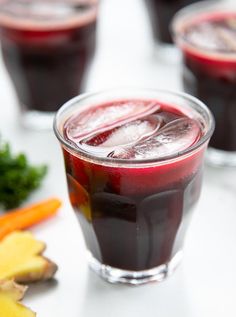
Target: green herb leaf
{"x":17,"y":177}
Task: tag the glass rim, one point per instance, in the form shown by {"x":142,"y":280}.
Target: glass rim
{"x":134,"y":162}
{"x":197,"y":10}
{"x":75,"y":20}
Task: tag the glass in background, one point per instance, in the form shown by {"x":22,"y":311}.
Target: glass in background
{"x":47,"y":47}
{"x":206,"y":34}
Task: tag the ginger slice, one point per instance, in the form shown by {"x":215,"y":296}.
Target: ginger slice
{"x":10,"y":295}
{"x":21,"y":259}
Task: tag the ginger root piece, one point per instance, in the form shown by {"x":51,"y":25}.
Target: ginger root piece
{"x":10,"y":295}
{"x":21,"y":259}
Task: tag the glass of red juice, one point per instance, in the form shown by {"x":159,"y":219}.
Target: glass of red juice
{"x":134,"y":162}
{"x":206,"y":34}
{"x":47,"y":48}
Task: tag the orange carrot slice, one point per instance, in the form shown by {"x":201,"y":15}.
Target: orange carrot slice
{"x":25,"y":217}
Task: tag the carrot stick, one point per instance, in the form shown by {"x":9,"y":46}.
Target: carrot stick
{"x":23,"y":218}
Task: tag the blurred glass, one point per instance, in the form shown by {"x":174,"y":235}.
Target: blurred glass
{"x":47,"y":47}
{"x":206,"y":34}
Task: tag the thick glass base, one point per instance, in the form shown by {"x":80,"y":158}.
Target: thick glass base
{"x":220,"y":158}
{"x":114,"y":275}
{"x":37,"y":120}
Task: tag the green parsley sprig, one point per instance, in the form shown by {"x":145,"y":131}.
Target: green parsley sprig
{"x":17,"y":177}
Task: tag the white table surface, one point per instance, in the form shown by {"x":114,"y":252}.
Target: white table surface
{"x":205,"y":283}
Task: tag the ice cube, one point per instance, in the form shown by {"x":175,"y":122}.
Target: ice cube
{"x":231,"y":23}
{"x":174,"y":137}
{"x":123,"y":153}
{"x":227,"y":36}
{"x":167,"y":117}
{"x":125,"y":135}
{"x":38,"y":9}
{"x":100,"y":119}
{"x":130,"y":133}
{"x":213,"y":36}
{"x":205,"y":36}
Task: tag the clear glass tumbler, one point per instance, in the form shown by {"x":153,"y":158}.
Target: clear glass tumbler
{"x":133,"y":212}
{"x":206,"y":35}
{"x":47,"y":47}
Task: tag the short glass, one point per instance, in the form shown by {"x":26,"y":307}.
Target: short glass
{"x":47,"y":47}
{"x":134,"y":213}
{"x":210,"y":75}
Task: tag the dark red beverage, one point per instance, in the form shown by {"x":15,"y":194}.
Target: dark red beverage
{"x":208,"y":42}
{"x":130,"y":183}
{"x":161,"y":13}
{"x":47,"y":47}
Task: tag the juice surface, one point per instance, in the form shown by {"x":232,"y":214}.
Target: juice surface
{"x":132,"y":130}
{"x":210,"y":41}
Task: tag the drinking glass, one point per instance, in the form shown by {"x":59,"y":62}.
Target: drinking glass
{"x":47,"y":47}
{"x":134,"y":213}
{"x":209,"y":69}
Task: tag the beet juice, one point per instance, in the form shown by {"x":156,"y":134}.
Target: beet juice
{"x":207,"y":38}
{"x":161,"y":13}
{"x":134,"y":170}
{"x":47,"y":47}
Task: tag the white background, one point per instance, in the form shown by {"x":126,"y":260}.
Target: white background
{"x":205,"y":283}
